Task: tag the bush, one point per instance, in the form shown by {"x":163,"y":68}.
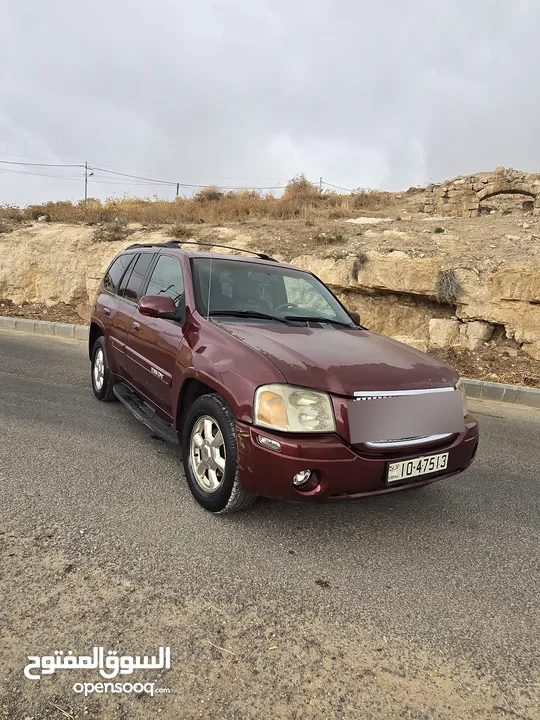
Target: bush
{"x":9,"y":212}
{"x":299,"y":188}
{"x":438,"y":230}
{"x":179,"y":231}
{"x":208,"y":194}
{"x":370,"y":199}
{"x":448,"y":289}
{"x":360,"y":261}
{"x":111,"y":232}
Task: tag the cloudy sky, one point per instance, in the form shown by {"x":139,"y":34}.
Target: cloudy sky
{"x":249,"y":93}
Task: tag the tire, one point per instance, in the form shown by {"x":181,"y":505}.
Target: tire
{"x":217,"y":484}
{"x":102,"y":384}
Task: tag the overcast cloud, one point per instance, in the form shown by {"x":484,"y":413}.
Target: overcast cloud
{"x":250,"y":93}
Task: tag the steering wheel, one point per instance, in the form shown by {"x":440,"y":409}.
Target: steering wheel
{"x":286,"y":306}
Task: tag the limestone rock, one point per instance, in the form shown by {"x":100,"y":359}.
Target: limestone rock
{"x":516,"y":283}
{"x":479,"y":330}
{"x":368,"y":220}
{"x":443,"y":333}
{"x":532,"y":349}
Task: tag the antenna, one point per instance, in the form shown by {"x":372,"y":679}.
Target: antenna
{"x":209,"y":286}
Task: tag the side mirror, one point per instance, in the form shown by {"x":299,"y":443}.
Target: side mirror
{"x":355,"y":317}
{"x":156,"y":305}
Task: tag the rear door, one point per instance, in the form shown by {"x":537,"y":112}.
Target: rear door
{"x":111,"y":311}
{"x":153,"y":343}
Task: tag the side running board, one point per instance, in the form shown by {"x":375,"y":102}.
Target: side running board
{"x":144,"y":413}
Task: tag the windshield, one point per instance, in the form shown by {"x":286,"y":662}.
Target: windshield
{"x":253,"y":289}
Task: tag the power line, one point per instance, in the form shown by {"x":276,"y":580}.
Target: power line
{"x":27,"y":172}
{"x":143,"y":180}
{"x":29,"y":157}
{"x":135,"y":177}
{"x":185,"y":185}
{"x":27,"y":164}
{"x":338,"y":187}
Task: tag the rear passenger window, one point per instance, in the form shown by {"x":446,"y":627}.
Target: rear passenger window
{"x":167,"y":279}
{"x":115,"y":272}
{"x":132,"y":287}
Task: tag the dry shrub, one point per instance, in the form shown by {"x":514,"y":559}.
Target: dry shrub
{"x":111,"y":232}
{"x":323,"y":238}
{"x":370,"y":199}
{"x":448,"y":289}
{"x":360,"y":261}
{"x":10,"y":212}
{"x":208,"y":194}
{"x":301,"y":199}
{"x":179,"y":231}
{"x":299,"y":188}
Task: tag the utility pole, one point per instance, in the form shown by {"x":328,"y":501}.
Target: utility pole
{"x":320,"y":185}
{"x":86,"y":176}
{"x":177,"y":189}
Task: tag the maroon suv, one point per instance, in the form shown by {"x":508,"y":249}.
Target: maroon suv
{"x":270,"y":385}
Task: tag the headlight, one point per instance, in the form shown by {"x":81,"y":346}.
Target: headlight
{"x":293,"y":409}
{"x":461,"y":387}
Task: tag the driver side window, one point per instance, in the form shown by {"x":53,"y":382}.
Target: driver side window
{"x":167,"y":279}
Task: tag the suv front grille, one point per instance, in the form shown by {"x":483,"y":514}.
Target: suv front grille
{"x":406,"y":442}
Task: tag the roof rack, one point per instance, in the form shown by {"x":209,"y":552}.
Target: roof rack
{"x":179,"y":244}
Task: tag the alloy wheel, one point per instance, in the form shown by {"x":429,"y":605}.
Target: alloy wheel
{"x":207,"y":454}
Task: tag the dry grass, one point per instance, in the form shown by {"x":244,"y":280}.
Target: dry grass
{"x":111,"y":232}
{"x":360,"y":261}
{"x":333,"y":238}
{"x":180,"y":232}
{"x":300,"y":200}
{"x":370,"y":199}
{"x":448,"y":289}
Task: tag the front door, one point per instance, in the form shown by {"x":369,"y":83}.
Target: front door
{"x":153,"y":343}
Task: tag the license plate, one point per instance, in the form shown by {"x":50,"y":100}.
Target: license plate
{"x":405,"y":469}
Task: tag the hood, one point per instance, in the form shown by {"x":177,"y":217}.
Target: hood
{"x":342,"y":361}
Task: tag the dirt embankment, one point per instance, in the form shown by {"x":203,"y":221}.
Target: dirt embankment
{"x":465,"y":289}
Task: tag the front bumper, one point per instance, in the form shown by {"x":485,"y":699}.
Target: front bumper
{"x":341,"y":471}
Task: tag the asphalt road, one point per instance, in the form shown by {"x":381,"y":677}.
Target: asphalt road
{"x":453,"y":566}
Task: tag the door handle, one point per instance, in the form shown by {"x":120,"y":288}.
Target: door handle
{"x":136,"y":325}
{"x":106,"y":311}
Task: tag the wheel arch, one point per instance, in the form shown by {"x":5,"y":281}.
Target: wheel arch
{"x":95,"y":331}
{"x":193,"y":388}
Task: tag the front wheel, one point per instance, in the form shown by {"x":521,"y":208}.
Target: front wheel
{"x":211,"y":456}
{"x":101,"y":377}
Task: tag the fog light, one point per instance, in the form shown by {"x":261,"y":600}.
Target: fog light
{"x":268,"y":442}
{"x":301,"y":478}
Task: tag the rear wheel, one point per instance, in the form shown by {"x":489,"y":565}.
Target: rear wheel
{"x":101,"y":378}
{"x":211,"y":456}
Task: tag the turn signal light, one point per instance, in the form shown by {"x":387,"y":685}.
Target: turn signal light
{"x":272,"y":410}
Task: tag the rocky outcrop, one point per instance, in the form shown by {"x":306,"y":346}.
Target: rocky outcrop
{"x":406,"y":299}
{"x":395,"y":294}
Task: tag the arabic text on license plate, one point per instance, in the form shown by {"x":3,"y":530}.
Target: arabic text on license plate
{"x":406,"y":469}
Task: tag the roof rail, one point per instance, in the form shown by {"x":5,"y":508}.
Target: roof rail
{"x":179,"y":244}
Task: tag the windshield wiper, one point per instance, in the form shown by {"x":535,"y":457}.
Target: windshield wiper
{"x":248,"y":314}
{"x":318,"y":318}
